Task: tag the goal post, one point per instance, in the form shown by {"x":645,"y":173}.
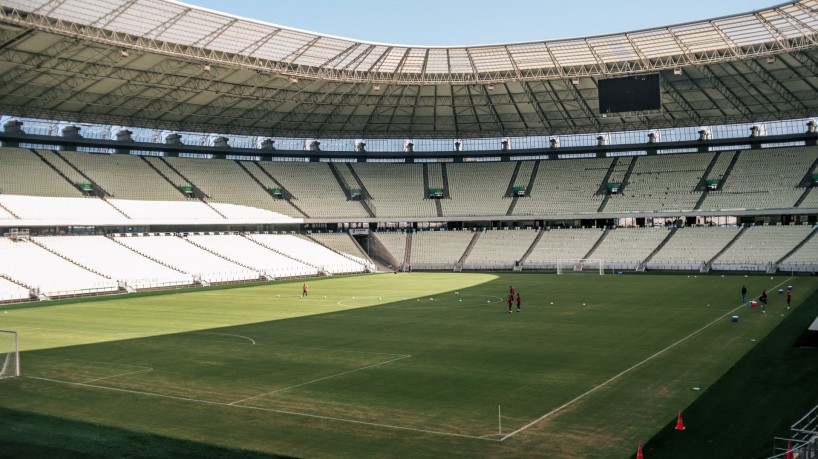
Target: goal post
{"x":580,"y":265}
{"x":9,"y":354}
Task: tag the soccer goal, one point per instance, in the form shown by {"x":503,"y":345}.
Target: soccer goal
{"x":9,"y":354}
{"x":581,"y":264}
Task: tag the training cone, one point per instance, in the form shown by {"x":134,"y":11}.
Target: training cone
{"x":789,"y":454}
{"x":639,"y":454}
{"x":679,"y":424}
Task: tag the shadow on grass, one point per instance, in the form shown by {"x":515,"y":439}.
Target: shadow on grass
{"x":24,"y":434}
{"x":758,"y":399}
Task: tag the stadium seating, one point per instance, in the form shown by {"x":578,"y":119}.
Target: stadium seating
{"x":438,"y":249}
{"x":9,"y":291}
{"x":225,"y":181}
{"x":499,"y":249}
{"x":23,"y":173}
{"x":761,"y":246}
{"x":309,"y":252}
{"x":396,"y":189}
{"x":115,"y":261}
{"x":803,"y":259}
{"x":169,"y":211}
{"x":5,"y":215}
{"x":90,"y":210}
{"x":394,"y":242}
{"x":565,"y":187}
{"x":139,"y":183}
{"x":562,"y":244}
{"x":627,"y":248}
{"x":341,"y":243}
{"x":467,"y":181}
{"x":49,"y":274}
{"x":247,"y":213}
{"x":257,"y":256}
{"x":690,"y":247}
{"x":763,"y":179}
{"x":662,"y":183}
{"x":184,"y":256}
{"x":315,"y":189}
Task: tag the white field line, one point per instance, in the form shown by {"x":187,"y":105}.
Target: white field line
{"x":75,"y":331}
{"x":319,"y":379}
{"x":269,"y":410}
{"x":90,"y":361}
{"x":227,"y":334}
{"x":117,"y":375}
{"x":628,"y":370}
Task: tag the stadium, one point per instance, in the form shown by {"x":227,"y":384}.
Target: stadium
{"x":228,"y":238}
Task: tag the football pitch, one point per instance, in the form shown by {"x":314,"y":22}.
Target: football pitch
{"x":407,"y":365}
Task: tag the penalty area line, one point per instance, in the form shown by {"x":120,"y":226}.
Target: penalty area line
{"x":318,"y":380}
{"x":268,"y":410}
{"x":628,"y":370}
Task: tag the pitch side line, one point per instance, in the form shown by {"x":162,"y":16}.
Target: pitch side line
{"x":628,"y":370}
{"x":319,"y":379}
{"x":117,"y":375}
{"x":269,"y":410}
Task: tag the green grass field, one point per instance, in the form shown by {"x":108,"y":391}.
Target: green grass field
{"x":409,"y":365}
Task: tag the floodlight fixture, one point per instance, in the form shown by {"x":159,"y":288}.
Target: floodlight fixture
{"x":490,"y":86}
{"x":575,"y":81}
{"x":677,"y":71}
{"x":206,"y":67}
{"x":293,"y":80}
{"x":376,"y":87}
{"x":770,"y":59}
{"x":123,"y":52}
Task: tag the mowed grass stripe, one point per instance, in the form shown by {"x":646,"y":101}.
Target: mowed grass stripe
{"x":468,"y":356}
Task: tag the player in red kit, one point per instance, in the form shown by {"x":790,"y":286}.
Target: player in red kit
{"x":511,"y":290}
{"x":510,"y":301}
{"x":789,"y":298}
{"x":518,"y":302}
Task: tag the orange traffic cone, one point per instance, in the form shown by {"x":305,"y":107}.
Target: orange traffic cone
{"x":789,"y":454}
{"x":679,"y":424}
{"x":639,"y":454}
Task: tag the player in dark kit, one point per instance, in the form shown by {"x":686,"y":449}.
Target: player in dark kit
{"x":743,"y":294}
{"x":789,"y":298}
{"x":510,"y":300}
{"x":518,"y":302}
{"x":763,"y":299}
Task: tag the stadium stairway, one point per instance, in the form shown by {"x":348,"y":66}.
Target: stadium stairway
{"x":98,"y":190}
{"x":797,"y":247}
{"x":255,"y":179}
{"x":445,"y":174}
{"x":702,"y":185}
{"x":707,"y":265}
{"x":425,"y":181}
{"x":53,"y":167}
{"x":532,"y":179}
{"x":45,"y":247}
{"x":807,"y":180}
{"x":162,"y":174}
{"x":380,"y":254}
{"x":512,"y":205}
{"x":438,"y":208}
{"x":284,"y":192}
{"x":467,"y":252}
{"x":16,"y":282}
{"x":603,"y":186}
{"x":510,"y":189}
{"x":363,"y":254}
{"x":364,"y":192}
{"x":657,"y":249}
{"x":155,"y":260}
{"x":283,"y":254}
{"x":730,"y":168}
{"x":521,"y":262}
{"x":407,"y":252}
{"x":9,"y":211}
{"x":220,"y":255}
{"x":598,"y":242}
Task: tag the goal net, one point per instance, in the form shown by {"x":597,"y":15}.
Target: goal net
{"x":580,"y":265}
{"x":9,"y":354}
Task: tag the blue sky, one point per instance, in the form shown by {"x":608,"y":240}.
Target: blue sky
{"x":474,"y":22}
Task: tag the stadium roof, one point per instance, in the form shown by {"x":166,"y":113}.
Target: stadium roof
{"x":163,"y":64}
